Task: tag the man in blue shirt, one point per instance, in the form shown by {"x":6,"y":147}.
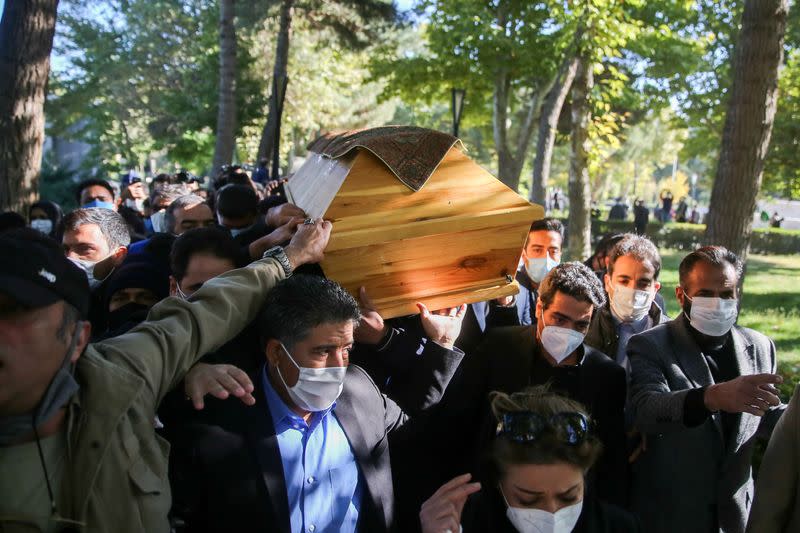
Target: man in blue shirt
{"x":312,"y":453}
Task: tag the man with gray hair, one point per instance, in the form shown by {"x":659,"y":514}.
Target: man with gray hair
{"x":160,"y":199}
{"x":96,"y":240}
{"x":187,"y":212}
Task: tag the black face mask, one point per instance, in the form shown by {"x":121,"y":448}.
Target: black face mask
{"x":130,"y":314}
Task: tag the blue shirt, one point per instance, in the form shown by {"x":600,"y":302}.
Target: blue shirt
{"x":323,"y":484}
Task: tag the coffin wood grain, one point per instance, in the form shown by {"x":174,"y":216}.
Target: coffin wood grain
{"x":456,"y":240}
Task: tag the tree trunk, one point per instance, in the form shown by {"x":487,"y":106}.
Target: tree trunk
{"x":510,"y":163}
{"x":548,"y":123}
{"x":26,"y":40}
{"x":500,"y":125}
{"x":748,"y":124}
{"x":226,"y":114}
{"x":579,"y":221}
{"x":279,"y":72}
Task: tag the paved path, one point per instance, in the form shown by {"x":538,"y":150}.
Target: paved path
{"x":788,"y":209}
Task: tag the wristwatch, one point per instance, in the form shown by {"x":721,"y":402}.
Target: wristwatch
{"x":277,"y":253}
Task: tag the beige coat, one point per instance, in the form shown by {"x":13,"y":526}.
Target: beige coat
{"x":116,"y":474}
{"x":776,"y":507}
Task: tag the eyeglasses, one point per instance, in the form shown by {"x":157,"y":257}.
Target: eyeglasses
{"x":527,"y":426}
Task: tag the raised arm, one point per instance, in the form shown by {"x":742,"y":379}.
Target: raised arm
{"x":657,"y":408}
{"x":178,"y":332}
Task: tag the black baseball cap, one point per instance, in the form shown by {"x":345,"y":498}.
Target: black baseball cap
{"x":35,"y":272}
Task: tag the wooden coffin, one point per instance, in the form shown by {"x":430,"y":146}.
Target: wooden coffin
{"x":456,"y":239}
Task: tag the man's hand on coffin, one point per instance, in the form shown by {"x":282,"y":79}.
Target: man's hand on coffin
{"x":282,"y":214}
{"x":276,"y":237}
{"x":442,"y":326}
{"x":371,"y":329}
{"x":308,"y":243}
{"x":220,"y":381}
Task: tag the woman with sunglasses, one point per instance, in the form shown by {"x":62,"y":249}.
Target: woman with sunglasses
{"x":536,"y":481}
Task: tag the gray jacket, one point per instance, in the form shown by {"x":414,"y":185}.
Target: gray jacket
{"x":689,"y":479}
{"x":776,"y":508}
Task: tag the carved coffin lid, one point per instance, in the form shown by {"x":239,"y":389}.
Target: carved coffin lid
{"x":415,"y":219}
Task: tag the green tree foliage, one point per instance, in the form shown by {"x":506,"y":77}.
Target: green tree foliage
{"x":782,"y":167}
{"x":138,"y":80}
{"x":140,"y":76}
{"x":636,"y":47}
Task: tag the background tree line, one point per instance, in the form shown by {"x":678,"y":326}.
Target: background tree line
{"x":597,"y":97}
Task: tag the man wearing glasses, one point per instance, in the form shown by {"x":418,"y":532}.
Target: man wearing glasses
{"x":702,"y":389}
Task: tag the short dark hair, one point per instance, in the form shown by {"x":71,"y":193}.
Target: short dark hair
{"x":573,"y":279}
{"x":162,"y":178}
{"x":637,"y":246}
{"x":237,"y":201}
{"x":111,"y":224}
{"x":548,"y":224}
{"x":718,"y":256}
{"x":606,"y":243}
{"x":93,"y":182}
{"x":297,"y":305}
{"x":547,"y":449}
{"x":9,"y":220}
{"x":212,"y":241}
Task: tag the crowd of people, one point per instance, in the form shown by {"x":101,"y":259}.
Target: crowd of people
{"x":174,"y":360}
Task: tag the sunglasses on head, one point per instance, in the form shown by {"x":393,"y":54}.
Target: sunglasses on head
{"x":526,"y":426}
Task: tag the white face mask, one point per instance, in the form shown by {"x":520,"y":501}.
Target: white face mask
{"x":316,"y":388}
{"x":560,"y":342}
{"x":88,"y":269}
{"x":157,"y":220}
{"x":630,"y":305}
{"x":538,"y":267}
{"x":713,"y":316}
{"x":43,"y":225}
{"x":538,"y":521}
{"x":235,"y":232}
{"x":135,"y":204}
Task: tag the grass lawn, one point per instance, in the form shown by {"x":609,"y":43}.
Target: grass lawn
{"x":771,"y":302}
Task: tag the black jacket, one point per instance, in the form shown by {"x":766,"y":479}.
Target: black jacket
{"x":509,"y":361}
{"x":227,"y":473}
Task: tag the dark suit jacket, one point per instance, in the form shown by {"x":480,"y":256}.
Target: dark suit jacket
{"x":505,"y":362}
{"x":690,"y":479}
{"x":227,"y":473}
{"x":485,"y":316}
